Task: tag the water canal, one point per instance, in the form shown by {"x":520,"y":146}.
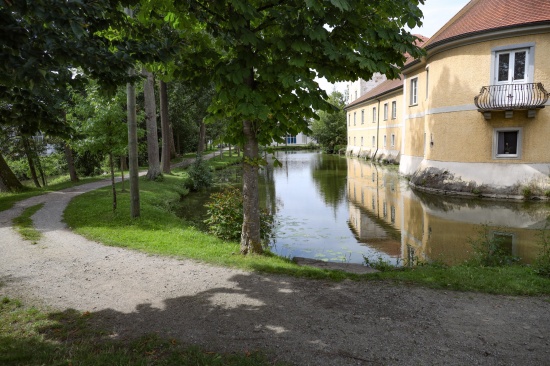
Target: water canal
{"x":341,"y":209}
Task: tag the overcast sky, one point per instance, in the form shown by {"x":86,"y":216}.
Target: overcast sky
{"x":436,"y":14}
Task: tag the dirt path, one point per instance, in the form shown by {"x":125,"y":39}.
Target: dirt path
{"x":301,"y":321}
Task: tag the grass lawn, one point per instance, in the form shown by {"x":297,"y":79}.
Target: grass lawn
{"x":91,"y":215}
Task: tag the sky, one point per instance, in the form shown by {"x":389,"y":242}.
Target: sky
{"x":436,"y":14}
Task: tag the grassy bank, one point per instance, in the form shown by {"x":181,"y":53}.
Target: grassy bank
{"x":29,"y":336}
{"x":90,"y":215}
{"x":24,"y":225}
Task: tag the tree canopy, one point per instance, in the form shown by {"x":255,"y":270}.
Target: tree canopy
{"x":330,"y":129}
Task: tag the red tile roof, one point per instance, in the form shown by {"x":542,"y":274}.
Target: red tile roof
{"x":485,"y":15}
{"x":389,"y":85}
{"x":383,"y":88}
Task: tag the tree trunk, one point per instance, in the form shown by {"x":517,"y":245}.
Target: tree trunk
{"x":202,"y":137}
{"x":8,"y":180}
{"x":250,"y":235}
{"x":27,"y":148}
{"x":122,"y":167}
{"x":230,"y":154}
{"x":151,"y":122}
{"x":70,"y":162}
{"x":173,"y":152}
{"x":133,"y":149}
{"x":39,"y":164}
{"x":165,"y":128}
{"x":112,"y":166}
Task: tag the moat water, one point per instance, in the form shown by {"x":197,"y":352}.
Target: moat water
{"x":342,"y":209}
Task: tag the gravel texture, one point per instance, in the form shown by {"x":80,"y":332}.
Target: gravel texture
{"x":301,"y":321}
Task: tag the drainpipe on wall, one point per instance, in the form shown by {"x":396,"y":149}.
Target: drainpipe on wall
{"x":377,"y":129}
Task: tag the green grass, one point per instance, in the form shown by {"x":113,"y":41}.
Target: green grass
{"x":160,"y":231}
{"x":24,"y":224}
{"x":29,"y":336}
{"x":218,"y":163}
{"x":7,"y":200}
{"x":507,"y":280}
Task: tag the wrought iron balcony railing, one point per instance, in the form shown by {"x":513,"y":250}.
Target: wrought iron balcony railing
{"x":511,"y":97}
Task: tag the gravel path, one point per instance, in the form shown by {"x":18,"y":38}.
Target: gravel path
{"x":297,"y":320}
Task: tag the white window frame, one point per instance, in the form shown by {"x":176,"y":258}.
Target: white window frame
{"x":414,"y":92}
{"x":530,"y":63}
{"x":354,"y":141}
{"x":362,"y":116}
{"x":385,"y":111}
{"x":393,"y":110}
{"x":385,"y":141}
{"x":392,"y":140}
{"x":373,"y":114}
{"x":354,"y":118}
{"x":373,"y":141}
{"x":496,"y":131}
{"x":361,"y":140}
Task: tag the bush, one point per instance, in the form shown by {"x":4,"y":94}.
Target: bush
{"x":489,"y":249}
{"x":225,"y":216}
{"x":541,"y":265}
{"x":199,"y":174}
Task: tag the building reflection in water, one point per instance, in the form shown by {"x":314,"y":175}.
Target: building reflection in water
{"x":384,"y":213}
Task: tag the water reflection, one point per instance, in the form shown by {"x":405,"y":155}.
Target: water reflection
{"x":313,"y":209}
{"x":384,"y":212}
{"x":341,"y":209}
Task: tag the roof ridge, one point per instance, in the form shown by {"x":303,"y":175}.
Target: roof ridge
{"x":451,"y":21}
{"x":381,"y":89}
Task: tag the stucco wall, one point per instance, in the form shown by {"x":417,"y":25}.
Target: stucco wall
{"x":376,"y":128}
{"x":451,"y":121}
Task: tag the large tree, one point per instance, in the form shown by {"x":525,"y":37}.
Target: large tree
{"x":151,"y":123}
{"x":45,"y":41}
{"x":264,"y":58}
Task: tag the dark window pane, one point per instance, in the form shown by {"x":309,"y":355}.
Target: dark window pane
{"x":503,"y":65}
{"x":519,"y":65}
{"x":508,"y":142}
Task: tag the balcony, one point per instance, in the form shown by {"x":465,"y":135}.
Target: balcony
{"x":510,"y":97}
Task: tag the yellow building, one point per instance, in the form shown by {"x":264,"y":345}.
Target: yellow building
{"x":472,"y":111}
{"x":375,"y":124}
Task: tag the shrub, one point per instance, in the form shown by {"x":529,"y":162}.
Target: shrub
{"x":489,"y":249}
{"x":225,"y":216}
{"x":541,"y":265}
{"x":379,"y":264}
{"x":199,"y":174}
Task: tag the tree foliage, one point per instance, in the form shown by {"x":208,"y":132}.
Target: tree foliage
{"x":330,"y":129}
{"x":45,"y":41}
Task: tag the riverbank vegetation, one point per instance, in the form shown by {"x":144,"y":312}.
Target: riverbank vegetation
{"x":90,"y":215}
{"x":36,"y":337}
